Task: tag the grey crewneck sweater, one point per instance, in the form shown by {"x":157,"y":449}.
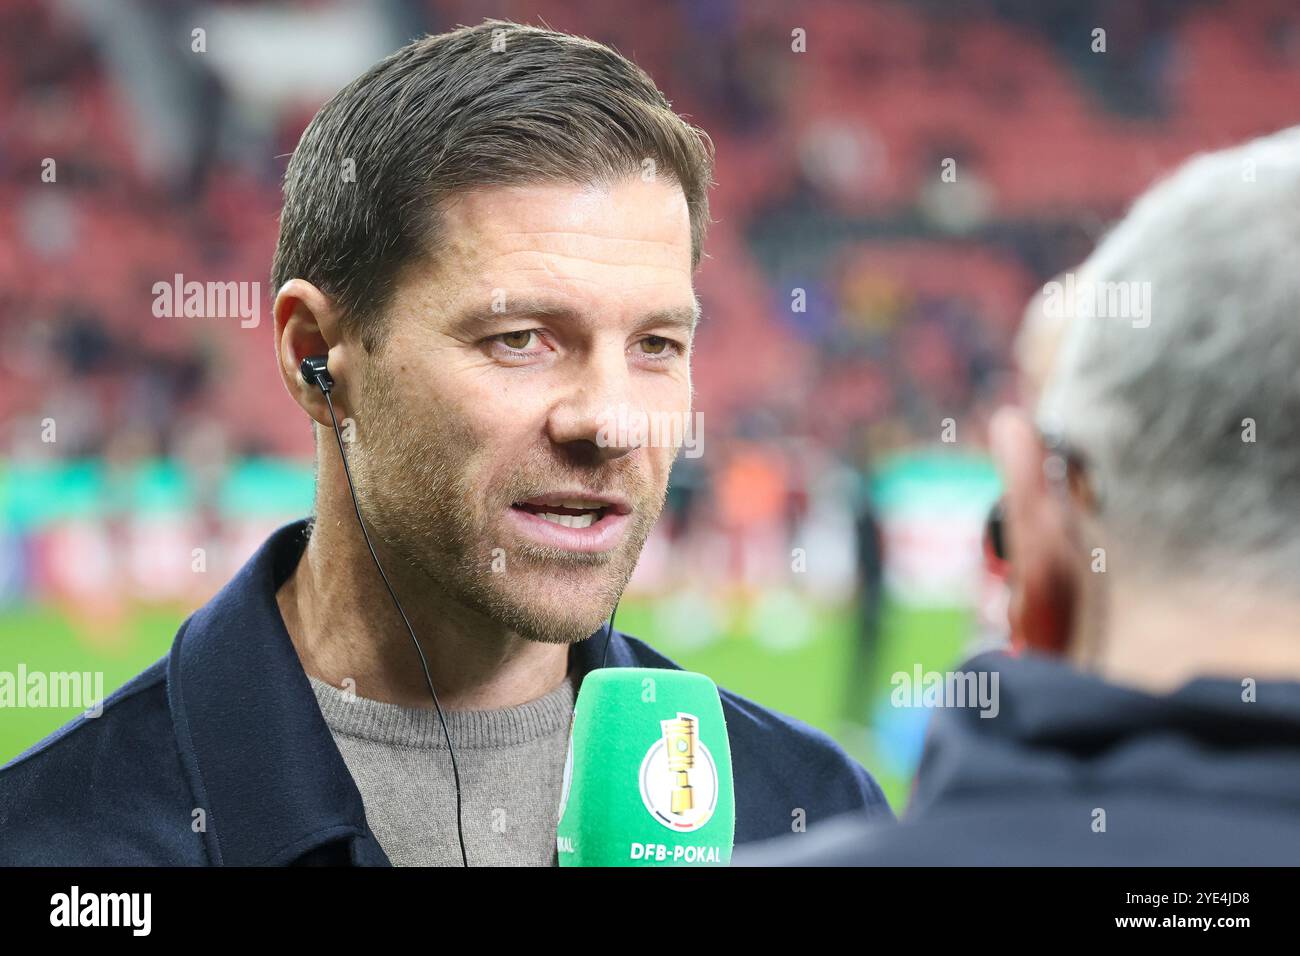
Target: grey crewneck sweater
{"x":511,"y":765}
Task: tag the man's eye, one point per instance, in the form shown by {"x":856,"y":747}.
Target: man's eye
{"x":517,"y":340}
{"x":655,"y":345}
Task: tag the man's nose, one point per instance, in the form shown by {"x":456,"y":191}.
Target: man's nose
{"x":598,"y":414}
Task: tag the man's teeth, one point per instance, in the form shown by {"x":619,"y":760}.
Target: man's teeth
{"x":592,"y":512}
{"x":571,"y":521}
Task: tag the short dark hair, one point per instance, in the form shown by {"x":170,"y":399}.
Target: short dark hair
{"x":494,"y":104}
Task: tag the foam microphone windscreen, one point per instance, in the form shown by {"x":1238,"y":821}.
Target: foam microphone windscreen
{"x":648,"y":778}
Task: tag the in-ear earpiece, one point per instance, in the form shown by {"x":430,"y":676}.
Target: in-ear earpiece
{"x":315,"y":371}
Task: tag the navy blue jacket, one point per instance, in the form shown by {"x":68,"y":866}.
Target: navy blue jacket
{"x":227,"y":724}
{"x":1197,"y":777}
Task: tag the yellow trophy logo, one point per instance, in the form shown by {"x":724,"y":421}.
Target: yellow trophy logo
{"x":679,"y":742}
{"x":679,"y":782}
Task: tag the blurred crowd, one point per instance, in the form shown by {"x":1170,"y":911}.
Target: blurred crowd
{"x":894,"y":181}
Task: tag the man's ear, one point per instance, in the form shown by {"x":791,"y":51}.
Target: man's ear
{"x":1042,"y":573}
{"x":307,"y":323}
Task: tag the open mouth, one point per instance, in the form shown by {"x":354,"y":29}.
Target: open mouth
{"x":569,"y":514}
{"x":573,"y":520}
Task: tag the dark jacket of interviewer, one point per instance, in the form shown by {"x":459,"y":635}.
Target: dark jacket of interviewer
{"x":1074,"y":771}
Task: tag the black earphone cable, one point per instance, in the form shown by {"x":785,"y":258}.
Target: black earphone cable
{"x":424,"y":664}
{"x":609,"y":636}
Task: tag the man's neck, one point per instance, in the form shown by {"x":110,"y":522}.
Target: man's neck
{"x":1160,"y":638}
{"x":345,"y":628}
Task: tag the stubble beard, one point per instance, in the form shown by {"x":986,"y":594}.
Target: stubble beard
{"x":422,"y":501}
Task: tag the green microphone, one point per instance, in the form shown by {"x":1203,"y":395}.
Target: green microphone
{"x":648,"y":778}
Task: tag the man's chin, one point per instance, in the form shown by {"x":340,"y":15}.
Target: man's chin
{"x":550,"y":595}
{"x":557,"y":632}
{"x":554,"y":625}
{"x":555,"y":608}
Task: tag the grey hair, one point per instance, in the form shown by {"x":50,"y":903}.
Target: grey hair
{"x":1161,"y":406}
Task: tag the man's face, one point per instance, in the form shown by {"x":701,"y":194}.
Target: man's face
{"x":487,"y":452}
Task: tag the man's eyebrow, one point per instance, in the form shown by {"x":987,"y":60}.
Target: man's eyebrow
{"x":682,"y":318}
{"x":686,"y":318}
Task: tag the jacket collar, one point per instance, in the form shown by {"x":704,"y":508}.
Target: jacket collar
{"x":261,"y":761}
{"x":1056,"y":724}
